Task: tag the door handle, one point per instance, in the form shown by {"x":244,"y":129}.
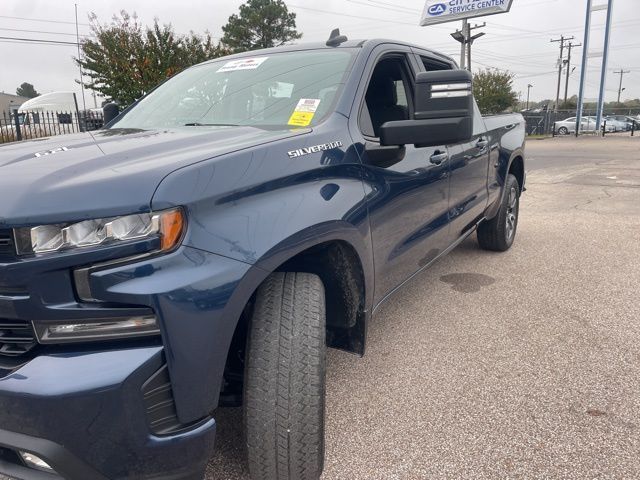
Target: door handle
{"x":438,"y":157}
{"x":482,"y":144}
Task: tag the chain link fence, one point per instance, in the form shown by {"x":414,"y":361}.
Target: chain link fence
{"x":548,"y":122}
{"x":16,"y":126}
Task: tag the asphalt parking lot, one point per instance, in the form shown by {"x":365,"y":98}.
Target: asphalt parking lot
{"x":524,"y":364}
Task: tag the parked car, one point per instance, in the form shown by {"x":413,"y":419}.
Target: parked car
{"x":619,"y":125}
{"x":204,"y":249}
{"x":608,"y":128}
{"x":588,"y":124}
{"x":630,"y":121}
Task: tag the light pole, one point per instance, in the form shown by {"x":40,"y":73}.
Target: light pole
{"x":529,"y":87}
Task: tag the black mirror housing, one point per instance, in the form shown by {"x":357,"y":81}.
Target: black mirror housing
{"x":443,"y":111}
{"x":110,"y":111}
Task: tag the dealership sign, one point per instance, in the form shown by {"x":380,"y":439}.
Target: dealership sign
{"x":442,"y":11}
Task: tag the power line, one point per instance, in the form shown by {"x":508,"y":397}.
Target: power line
{"x":391,"y":8}
{"x":43,"y":31}
{"x":15,"y":42}
{"x":43,"y":20}
{"x":406,"y":9}
{"x":39,"y":40}
{"x":341,"y":14}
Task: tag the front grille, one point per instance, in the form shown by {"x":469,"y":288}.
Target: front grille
{"x":16,"y":338}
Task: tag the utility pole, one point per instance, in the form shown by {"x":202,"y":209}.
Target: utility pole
{"x":621,"y":72}
{"x":566,"y":83}
{"x":464,"y":37}
{"x":528,"y":90}
{"x":470,"y":41}
{"x":562,"y":39}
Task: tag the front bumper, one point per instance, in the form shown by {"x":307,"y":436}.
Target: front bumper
{"x":84,"y":415}
{"x":82,"y":407}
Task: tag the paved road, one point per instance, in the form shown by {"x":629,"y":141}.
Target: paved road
{"x":545,"y":153}
{"x":517,"y":365}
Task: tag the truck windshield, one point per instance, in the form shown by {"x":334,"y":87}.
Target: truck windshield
{"x":289,"y":89}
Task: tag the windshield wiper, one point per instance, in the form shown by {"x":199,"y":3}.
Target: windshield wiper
{"x":198,"y":124}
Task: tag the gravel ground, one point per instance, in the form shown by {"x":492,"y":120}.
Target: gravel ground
{"x":524,"y":364}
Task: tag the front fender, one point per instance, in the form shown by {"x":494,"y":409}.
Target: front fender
{"x":260,"y":208}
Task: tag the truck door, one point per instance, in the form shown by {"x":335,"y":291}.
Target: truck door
{"x":469,"y":164}
{"x":468,"y":167}
{"x":407,"y":187}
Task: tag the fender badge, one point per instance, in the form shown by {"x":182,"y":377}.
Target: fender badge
{"x":51,"y":152}
{"x":299,"y":152}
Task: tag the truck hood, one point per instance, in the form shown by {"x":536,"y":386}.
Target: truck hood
{"x":107,"y":172}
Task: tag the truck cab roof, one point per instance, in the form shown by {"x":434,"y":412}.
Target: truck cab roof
{"x":364,"y":44}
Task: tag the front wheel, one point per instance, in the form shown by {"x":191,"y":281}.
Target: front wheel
{"x":285,"y":379}
{"x":563,"y":130}
{"x":498,"y":233}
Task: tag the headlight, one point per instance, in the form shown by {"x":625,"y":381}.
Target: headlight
{"x":100,"y":329}
{"x":168,"y":225}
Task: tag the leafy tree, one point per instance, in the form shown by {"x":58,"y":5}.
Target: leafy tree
{"x":570,"y":104}
{"x":260,"y":24}
{"x":493,"y":90}
{"x":126,"y":60}
{"x":26,"y":90}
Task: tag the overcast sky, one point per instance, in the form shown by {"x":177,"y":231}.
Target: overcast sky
{"x":518,"y":41}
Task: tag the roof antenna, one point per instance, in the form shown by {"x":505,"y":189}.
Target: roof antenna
{"x":335,"y":39}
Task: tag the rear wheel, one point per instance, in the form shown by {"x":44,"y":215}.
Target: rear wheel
{"x":563,"y":130}
{"x":285,"y":379}
{"x":498,"y":233}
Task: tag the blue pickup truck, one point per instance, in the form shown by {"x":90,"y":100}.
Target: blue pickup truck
{"x":206,"y":247}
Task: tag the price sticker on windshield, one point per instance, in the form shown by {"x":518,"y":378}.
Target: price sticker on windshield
{"x":243,"y":64}
{"x":304,"y":112}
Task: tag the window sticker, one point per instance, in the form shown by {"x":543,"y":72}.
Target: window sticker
{"x":242,"y":64}
{"x":304,"y":112}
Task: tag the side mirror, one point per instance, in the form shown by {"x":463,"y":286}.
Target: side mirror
{"x":110,"y":111}
{"x":443,"y":112}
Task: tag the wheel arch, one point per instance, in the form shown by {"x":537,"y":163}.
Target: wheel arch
{"x":338,"y":254}
{"x":516,"y":168}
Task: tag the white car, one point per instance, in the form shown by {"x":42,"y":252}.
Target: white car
{"x":588,"y":124}
{"x":618,"y":125}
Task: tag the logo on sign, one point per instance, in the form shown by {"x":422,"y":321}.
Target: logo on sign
{"x":437,"y":9}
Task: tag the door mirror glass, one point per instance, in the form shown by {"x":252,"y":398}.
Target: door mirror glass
{"x":443,"y":111}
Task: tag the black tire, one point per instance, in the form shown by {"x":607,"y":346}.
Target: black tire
{"x":284,"y":390}
{"x":563,"y":131}
{"x":498,"y":233}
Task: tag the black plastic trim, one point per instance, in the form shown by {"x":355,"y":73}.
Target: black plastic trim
{"x":62,"y":461}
